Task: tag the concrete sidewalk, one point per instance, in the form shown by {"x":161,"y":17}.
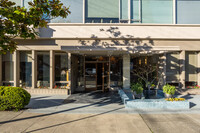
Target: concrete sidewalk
{"x":50,"y":104}
{"x":16,"y":122}
{"x":49,"y":114}
{"x":71,"y":123}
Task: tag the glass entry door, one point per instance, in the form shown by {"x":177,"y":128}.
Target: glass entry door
{"x":96,"y":73}
{"x":90,"y":76}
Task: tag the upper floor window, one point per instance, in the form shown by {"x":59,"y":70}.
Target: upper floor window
{"x":125,"y":11}
{"x":188,"y":11}
{"x":76,"y":8}
{"x":102,"y":11}
{"x":157,"y":11}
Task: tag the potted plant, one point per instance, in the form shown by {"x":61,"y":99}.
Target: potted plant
{"x":153,"y":86}
{"x":169,"y":90}
{"x":137,"y":90}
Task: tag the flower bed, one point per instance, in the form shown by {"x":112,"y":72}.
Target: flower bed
{"x":175,"y":99}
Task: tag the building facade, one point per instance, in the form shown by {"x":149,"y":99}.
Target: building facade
{"x":97,"y":46}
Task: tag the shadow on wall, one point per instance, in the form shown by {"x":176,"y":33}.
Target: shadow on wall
{"x":174,"y":68}
{"x":115,"y":38}
{"x":46,"y":32}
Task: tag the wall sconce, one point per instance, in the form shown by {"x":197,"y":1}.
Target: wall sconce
{"x":100,"y":58}
{"x":140,"y":61}
{"x":145,"y":60}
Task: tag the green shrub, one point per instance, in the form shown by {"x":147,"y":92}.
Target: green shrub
{"x":169,"y":89}
{"x":137,"y":88}
{"x":13,"y":98}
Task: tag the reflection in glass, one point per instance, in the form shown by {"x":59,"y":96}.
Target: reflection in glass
{"x":8,"y":67}
{"x":191,"y":67}
{"x":116,"y":71}
{"x":25,"y":69}
{"x":102,"y":11}
{"x":43,"y":70}
{"x":80,"y":75}
{"x":61,"y":70}
{"x":90,"y":75}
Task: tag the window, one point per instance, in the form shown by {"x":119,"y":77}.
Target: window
{"x":191,"y":67}
{"x":173,"y":67}
{"x":61,"y":70}
{"x":188,"y":11}
{"x":43,"y":70}
{"x":157,"y":11}
{"x":25,"y":69}
{"x":135,"y":11}
{"x":76,"y":8}
{"x":102,"y":11}
{"x":116,"y":71}
{"x":124,"y":11}
{"x":8,"y":69}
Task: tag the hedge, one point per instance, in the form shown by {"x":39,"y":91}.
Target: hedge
{"x":13,"y":98}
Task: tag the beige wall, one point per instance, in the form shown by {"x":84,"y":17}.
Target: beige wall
{"x":121,"y":31}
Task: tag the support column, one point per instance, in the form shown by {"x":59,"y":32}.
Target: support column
{"x":198,"y":69}
{"x":52,"y":69}
{"x":162,"y":70}
{"x":126,"y":71}
{"x":69,"y":72}
{"x":16,"y":68}
{"x":182,"y":69}
{"x":34,"y":68}
{"x":1,"y":70}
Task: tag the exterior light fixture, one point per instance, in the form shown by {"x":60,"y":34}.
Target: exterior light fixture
{"x":140,"y":61}
{"x":145,"y":60}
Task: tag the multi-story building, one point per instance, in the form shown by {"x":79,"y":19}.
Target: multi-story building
{"x":98,"y":44}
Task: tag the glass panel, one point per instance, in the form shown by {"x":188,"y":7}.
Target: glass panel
{"x":90,"y":75}
{"x":80,"y":73}
{"x":115,"y":72}
{"x":102,"y":11}
{"x":8,"y":67}
{"x":76,"y":8}
{"x":124,"y":9}
{"x":157,"y":11}
{"x":188,"y":12}
{"x":144,"y":62}
{"x":25,"y":69}
{"x":135,"y":13}
{"x":173,"y":67}
{"x":43,"y":70}
{"x":191,"y":66}
{"x":106,"y":74}
{"x":61,"y":67}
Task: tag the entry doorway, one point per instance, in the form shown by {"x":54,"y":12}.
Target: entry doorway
{"x":96,"y":75}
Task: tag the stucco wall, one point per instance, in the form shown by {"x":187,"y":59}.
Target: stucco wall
{"x":121,"y":31}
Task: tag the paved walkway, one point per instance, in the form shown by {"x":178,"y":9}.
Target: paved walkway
{"x":16,"y":122}
{"x":49,"y":114}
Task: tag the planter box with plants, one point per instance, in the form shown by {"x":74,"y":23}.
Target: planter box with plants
{"x":137,"y":90}
{"x":164,"y":103}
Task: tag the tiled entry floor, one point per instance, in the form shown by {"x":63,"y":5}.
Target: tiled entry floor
{"x":94,"y":97}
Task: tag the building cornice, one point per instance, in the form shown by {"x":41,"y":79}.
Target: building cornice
{"x":121,"y":24}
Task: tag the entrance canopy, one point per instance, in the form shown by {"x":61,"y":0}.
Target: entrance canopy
{"x":117,"y":50}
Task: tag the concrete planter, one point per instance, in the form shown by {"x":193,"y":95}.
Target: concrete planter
{"x":157,"y":104}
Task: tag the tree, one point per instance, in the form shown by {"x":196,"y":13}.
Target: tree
{"x":19,"y":22}
{"x":145,"y":73}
